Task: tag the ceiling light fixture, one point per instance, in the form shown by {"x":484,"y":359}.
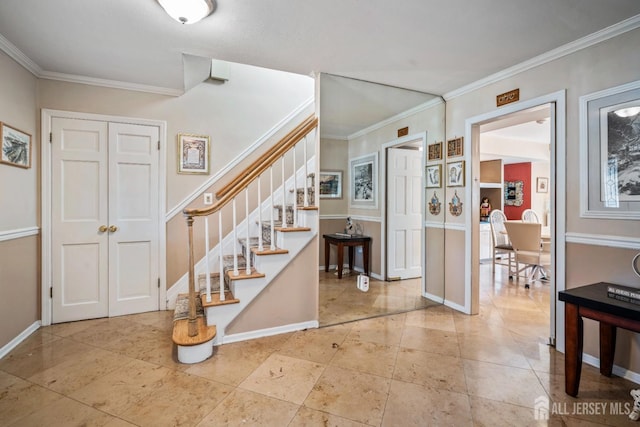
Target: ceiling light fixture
{"x":627,"y":112}
{"x":188,"y":11}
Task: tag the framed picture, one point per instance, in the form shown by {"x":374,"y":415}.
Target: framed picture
{"x":16,"y":146}
{"x":193,"y":153}
{"x":434,"y":151}
{"x":330,"y":185}
{"x":364,"y":181}
{"x":513,"y":193}
{"x":610,"y":153}
{"x":455,"y":174}
{"x":454,"y":147}
{"x":542,"y":185}
{"x":434,"y":176}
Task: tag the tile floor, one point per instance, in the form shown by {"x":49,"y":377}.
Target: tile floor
{"x":425,"y":367}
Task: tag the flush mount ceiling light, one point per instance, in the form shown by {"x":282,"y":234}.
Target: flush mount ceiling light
{"x":188,"y":11}
{"x":627,"y":112}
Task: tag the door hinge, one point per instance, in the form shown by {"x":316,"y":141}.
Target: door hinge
{"x":50,"y":291}
{"x":158,"y":283}
{"x":50,"y":137}
{"x":158,"y":145}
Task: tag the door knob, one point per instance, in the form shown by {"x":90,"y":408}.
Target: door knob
{"x":113,"y":228}
{"x":102,"y":228}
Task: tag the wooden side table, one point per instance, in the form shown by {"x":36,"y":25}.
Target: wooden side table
{"x":340,"y":241}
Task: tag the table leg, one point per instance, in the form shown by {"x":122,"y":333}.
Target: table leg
{"x":365,"y":257}
{"x":326,"y":255}
{"x":350,"y":258}
{"x":607,"y":348}
{"x":573,"y":349}
{"x":340,"y":259}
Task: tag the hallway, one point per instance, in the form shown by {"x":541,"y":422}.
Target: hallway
{"x":425,"y":367}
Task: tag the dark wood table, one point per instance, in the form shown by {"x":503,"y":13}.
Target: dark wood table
{"x":351,"y":242}
{"x":592,"y":302}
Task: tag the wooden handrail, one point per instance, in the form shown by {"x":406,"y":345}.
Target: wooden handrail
{"x":244,"y":178}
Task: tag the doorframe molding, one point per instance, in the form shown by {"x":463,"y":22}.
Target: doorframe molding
{"x":383,"y":211}
{"x":558,"y":202}
{"x":45,"y":125}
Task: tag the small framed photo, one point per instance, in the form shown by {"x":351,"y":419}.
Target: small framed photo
{"x":16,"y":146}
{"x":542,"y":185}
{"x":454,"y":147}
{"x":193,"y":154}
{"x":434,"y":151}
{"x":330,"y":185}
{"x":455,"y":174}
{"x":434,"y":176}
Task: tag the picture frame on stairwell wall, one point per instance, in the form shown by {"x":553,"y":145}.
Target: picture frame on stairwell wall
{"x":193,"y":154}
{"x":330,"y":184}
{"x":610,"y":153}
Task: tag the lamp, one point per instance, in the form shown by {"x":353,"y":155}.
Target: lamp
{"x":188,"y":11}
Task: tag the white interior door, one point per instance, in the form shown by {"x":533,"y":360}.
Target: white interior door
{"x":404,"y":214}
{"x":104,"y":219}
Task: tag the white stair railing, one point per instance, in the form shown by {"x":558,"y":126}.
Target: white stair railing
{"x":206,"y":252}
{"x":284,"y":196}
{"x":247,"y":246}
{"x":271,"y":208}
{"x":221,"y":256}
{"x":306,"y":174}
{"x":236,"y":272}
{"x":260,"y":242}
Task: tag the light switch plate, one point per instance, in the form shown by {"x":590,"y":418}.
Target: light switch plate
{"x":208,"y":198}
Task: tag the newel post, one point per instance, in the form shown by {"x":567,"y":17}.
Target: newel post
{"x":193,"y":326}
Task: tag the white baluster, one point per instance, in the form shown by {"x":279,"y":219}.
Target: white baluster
{"x":260,"y":243}
{"x":273,"y":240}
{"x":247,"y":252}
{"x":235,"y":241}
{"x":306,"y":174}
{"x":295,"y":191}
{"x":284,"y":197}
{"x":206,"y":251}
{"x":220,"y":247}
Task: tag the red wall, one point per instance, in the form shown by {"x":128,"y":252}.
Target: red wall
{"x":518,"y":172}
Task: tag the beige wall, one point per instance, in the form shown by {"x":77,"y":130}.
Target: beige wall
{"x":291,"y":298}
{"x":19,"y":207}
{"x":334,"y":156}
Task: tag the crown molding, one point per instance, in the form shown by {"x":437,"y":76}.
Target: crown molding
{"x":564,"y":50}
{"x":112,"y":84}
{"x":16,"y":54}
{"x":410,"y":112}
{"x":335,"y":137}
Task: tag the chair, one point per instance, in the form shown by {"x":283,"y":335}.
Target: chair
{"x":499,"y":238}
{"x":529,"y":215}
{"x":526,"y":242}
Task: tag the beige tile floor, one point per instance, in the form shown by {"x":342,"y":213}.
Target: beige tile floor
{"x":425,"y":367}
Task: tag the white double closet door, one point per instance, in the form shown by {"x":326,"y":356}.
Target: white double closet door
{"x":105,"y":217}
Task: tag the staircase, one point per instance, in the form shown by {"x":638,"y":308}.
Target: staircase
{"x":256,"y":249}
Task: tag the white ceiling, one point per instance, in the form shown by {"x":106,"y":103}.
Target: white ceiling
{"x":431,"y":46}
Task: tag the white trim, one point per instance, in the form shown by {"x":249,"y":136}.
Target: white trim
{"x":261,"y":333}
{"x":615,"y":30}
{"x":434,"y":298}
{"x":19,"y":233}
{"x":603,"y":240}
{"x":434,"y":224}
{"x":45,"y":126}
{"x":454,"y":306}
{"x":617,"y":370}
{"x":366,"y":218}
{"x":408,"y":113}
{"x":454,"y":226}
{"x":17,"y":55}
{"x":345,"y":268}
{"x":18,"y":339}
{"x":321,"y":217}
{"x":335,"y":137}
{"x":233,"y":163}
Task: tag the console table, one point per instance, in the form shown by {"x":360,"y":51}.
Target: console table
{"x":592,"y":302}
{"x":351,"y":242}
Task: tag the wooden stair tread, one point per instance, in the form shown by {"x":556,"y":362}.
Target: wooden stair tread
{"x":307,"y":208}
{"x":292,"y":229}
{"x":243,"y":274}
{"x":181,"y":332}
{"x":215,"y":299}
{"x":275,"y":251}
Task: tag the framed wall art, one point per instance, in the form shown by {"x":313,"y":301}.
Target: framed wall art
{"x":330,"y":185}
{"x":455,"y":147}
{"x":542,"y":185}
{"x":434,"y":176}
{"x":513,"y":193}
{"x":193,"y":153}
{"x":16,"y":146}
{"x":363,"y":181}
{"x":455,"y":174}
{"x":610,"y":153}
{"x":434,"y":151}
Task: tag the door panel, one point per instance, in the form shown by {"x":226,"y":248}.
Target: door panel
{"x":134,"y":210}
{"x":404,"y":175}
{"x":78,"y":209}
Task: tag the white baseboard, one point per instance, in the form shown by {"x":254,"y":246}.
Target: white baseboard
{"x":355,"y":268}
{"x":455,"y":306}
{"x":434,"y":298}
{"x":21,"y":337}
{"x":617,"y":370}
{"x":244,"y":336}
